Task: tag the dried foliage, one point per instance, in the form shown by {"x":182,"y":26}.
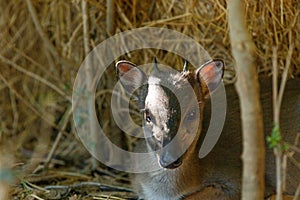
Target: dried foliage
{"x":42,"y":47}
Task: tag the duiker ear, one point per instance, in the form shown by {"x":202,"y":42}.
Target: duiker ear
{"x":130,"y":76}
{"x":210,"y":76}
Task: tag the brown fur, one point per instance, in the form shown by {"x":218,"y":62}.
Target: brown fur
{"x":218,"y":176}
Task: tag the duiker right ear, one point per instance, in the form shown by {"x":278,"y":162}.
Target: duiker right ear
{"x":130,"y":76}
{"x":210,"y":75}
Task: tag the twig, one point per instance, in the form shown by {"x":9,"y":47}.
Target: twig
{"x":110,"y":17}
{"x":86,"y":37}
{"x":33,"y":186}
{"x":284,"y":76}
{"x":294,"y":161}
{"x":108,"y":197}
{"x":35,"y":76}
{"x":90,"y":184}
{"x":294,"y":148}
{"x":275,"y":80}
{"x":124,"y":17}
{"x":284,"y":171}
{"x":65,"y":121}
{"x":14,"y":111}
{"x":277,"y":100}
{"x":297,"y":194}
{"x":30,"y":106}
{"x":276,"y":108}
{"x":36,"y":197}
{"x":161,"y":21}
{"x":72,"y":38}
{"x":89,"y":72}
{"x":45,"y":39}
{"x":281,"y":91}
{"x":35,"y":63}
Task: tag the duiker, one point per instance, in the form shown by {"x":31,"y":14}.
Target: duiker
{"x":218,"y":175}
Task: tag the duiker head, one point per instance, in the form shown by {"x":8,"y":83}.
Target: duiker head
{"x":171,"y":118}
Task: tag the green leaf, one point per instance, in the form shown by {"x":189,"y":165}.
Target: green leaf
{"x":286,"y":147}
{"x":275,"y":138}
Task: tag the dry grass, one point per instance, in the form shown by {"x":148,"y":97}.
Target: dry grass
{"x":41,"y":48}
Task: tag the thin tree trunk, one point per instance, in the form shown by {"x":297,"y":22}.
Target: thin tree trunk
{"x":247,"y":85}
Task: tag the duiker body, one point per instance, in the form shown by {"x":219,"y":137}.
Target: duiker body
{"x":218,"y":175}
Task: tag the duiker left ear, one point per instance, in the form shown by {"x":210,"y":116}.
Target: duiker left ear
{"x":130,"y":76}
{"x":210,"y":76}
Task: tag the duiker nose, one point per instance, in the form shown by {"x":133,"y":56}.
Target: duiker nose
{"x":170,"y":155}
{"x":165,"y":164}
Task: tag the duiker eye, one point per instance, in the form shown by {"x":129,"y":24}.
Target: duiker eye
{"x":148,"y":116}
